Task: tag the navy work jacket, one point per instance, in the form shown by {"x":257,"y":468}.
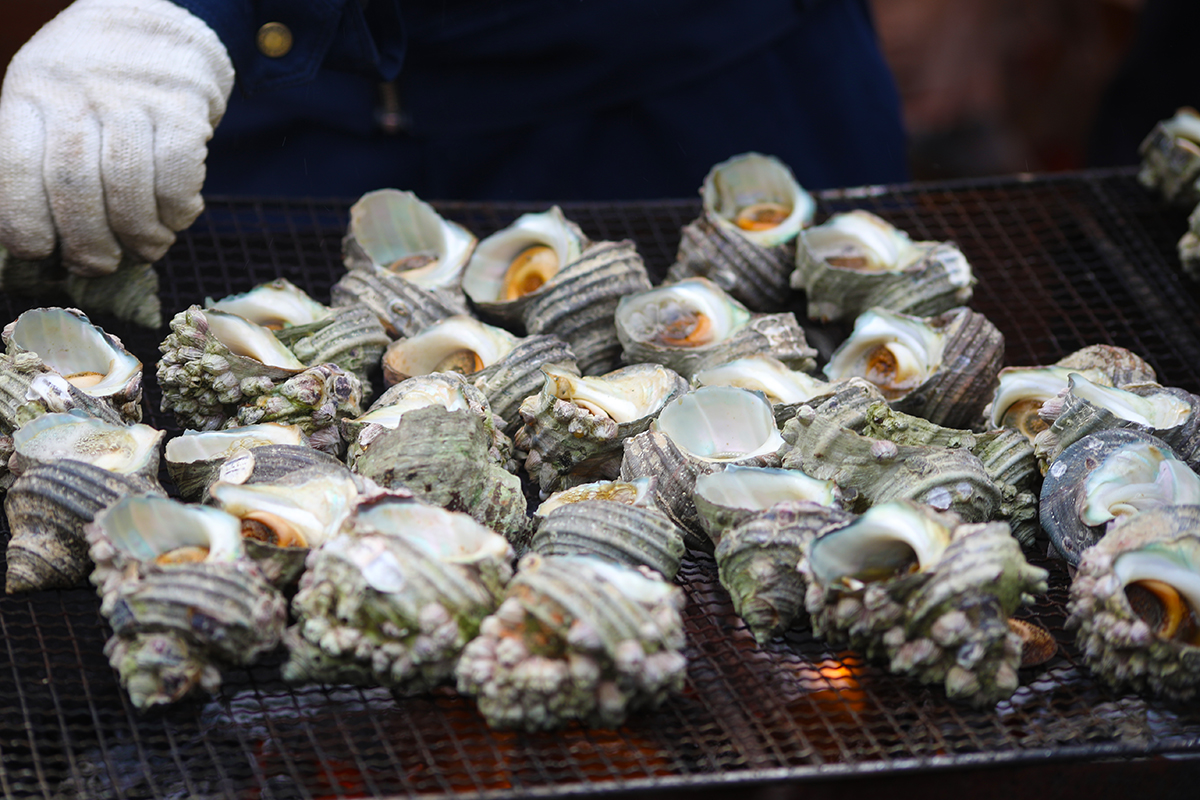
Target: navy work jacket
{"x":549,"y":99}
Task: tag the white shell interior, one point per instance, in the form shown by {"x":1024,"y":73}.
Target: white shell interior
{"x":1137,"y":477}
{"x":193,"y":446}
{"x":750,"y":178}
{"x":635,"y":493}
{"x":862,"y":235}
{"x":446,"y":535}
{"x":145,"y":527}
{"x":624,"y":395}
{"x":1159,"y":410}
{"x":721,"y":423}
{"x":885,"y":535}
{"x":483,"y":279}
{"x":249,"y":339}
{"x":316,"y":508}
{"x":759,"y":488}
{"x":123,"y":449}
{"x":389,"y":225}
{"x":422,"y":395}
{"x":766,"y":374}
{"x":420,"y":354}
{"x":277,"y":304}
{"x":71,"y":345}
{"x":643,"y":316}
{"x":916,"y":346}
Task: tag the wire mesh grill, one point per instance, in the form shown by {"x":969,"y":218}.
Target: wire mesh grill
{"x":1062,"y":262}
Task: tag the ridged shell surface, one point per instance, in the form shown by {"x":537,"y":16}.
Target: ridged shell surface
{"x":576,"y":638}
{"x":1171,"y":158}
{"x":757,"y":560}
{"x":47,"y":509}
{"x":579,"y":306}
{"x":619,"y":532}
{"x":402,"y":307}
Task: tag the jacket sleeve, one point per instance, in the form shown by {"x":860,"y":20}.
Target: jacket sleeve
{"x":350,"y":35}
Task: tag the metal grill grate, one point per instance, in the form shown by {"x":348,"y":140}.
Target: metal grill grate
{"x":1062,"y":262}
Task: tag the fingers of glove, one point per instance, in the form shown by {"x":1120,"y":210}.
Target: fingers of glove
{"x":127,"y":174}
{"x":179,"y":151}
{"x":72,"y":175}
{"x":26,"y":225}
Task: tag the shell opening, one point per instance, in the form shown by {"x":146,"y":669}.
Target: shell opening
{"x":1158,"y":410}
{"x":685,"y":328}
{"x":1166,"y":612}
{"x":529,"y":271}
{"x":888,"y":540}
{"x":760,"y":488}
{"x":720,"y":423}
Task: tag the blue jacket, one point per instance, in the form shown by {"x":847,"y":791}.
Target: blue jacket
{"x":549,"y":99}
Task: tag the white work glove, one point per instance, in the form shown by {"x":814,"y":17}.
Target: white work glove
{"x":105,"y":116}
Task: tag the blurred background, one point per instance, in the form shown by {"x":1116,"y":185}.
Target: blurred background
{"x":989,"y":86}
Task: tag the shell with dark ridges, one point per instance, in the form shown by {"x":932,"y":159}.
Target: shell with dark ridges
{"x":941,"y":368}
{"x":442,"y":457}
{"x":620,"y":532}
{"x":1106,"y":475}
{"x":692,"y":324}
{"x":745,"y":254}
{"x":47,"y":509}
{"x":403,"y":308}
{"x":757,"y":558}
{"x":579,"y":306}
{"x":1170,"y":156}
{"x":90,"y":360}
{"x":507,"y":383}
{"x":1168,"y":413}
{"x":194,"y":458}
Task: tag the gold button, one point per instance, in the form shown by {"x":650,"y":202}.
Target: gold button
{"x":274,"y":40}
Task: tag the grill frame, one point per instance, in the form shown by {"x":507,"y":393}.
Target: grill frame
{"x":1062,"y":261}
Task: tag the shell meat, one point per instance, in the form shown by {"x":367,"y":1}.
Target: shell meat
{"x":394,"y":600}
{"x":1135,"y":603}
{"x":744,"y":240}
{"x":181,"y":597}
{"x":927,"y":593}
{"x":576,"y":638}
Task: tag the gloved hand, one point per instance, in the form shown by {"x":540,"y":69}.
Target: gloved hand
{"x":105,"y":115}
